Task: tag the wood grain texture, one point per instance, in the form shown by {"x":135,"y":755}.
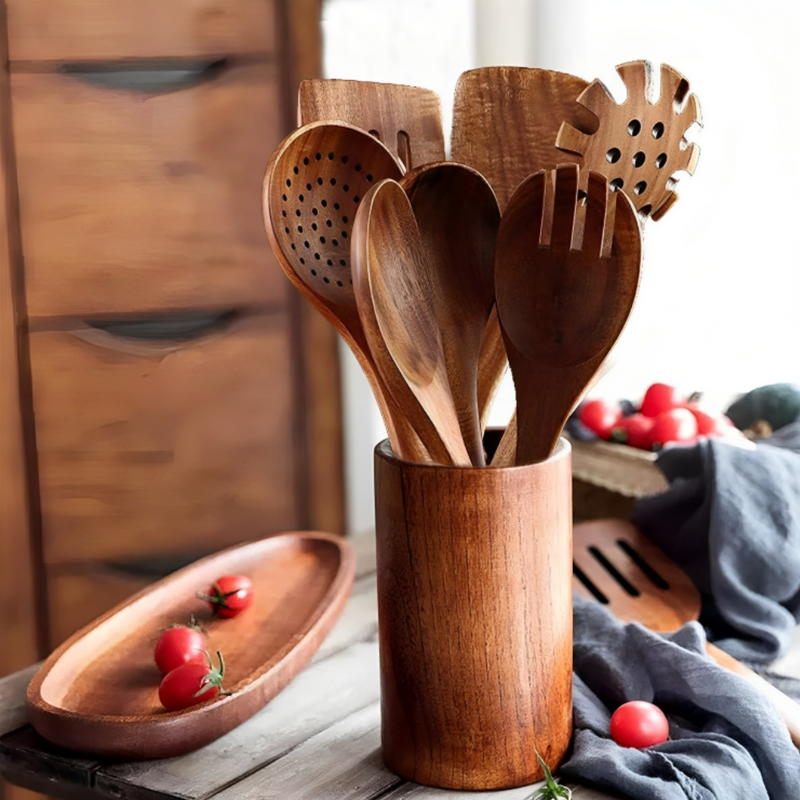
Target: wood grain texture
{"x":638,"y":144}
{"x":610,"y":553}
{"x":506,"y":119}
{"x":394,"y":291}
{"x":407,"y":119}
{"x":72,"y":30}
{"x":163,"y":453}
{"x":98,"y":693}
{"x":566,"y":275}
{"x":457,"y":217}
{"x":18,"y":640}
{"x":136,"y":202}
{"x":475,"y":620}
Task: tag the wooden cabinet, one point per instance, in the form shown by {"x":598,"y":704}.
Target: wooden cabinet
{"x":164,"y":393}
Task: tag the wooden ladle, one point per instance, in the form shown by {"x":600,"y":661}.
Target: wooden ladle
{"x":617,"y":565}
{"x":314,"y":184}
{"x":458,"y":217}
{"x":394,"y":292}
{"x":566,"y":275}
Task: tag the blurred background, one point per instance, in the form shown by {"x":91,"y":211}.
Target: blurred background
{"x":164,"y":392}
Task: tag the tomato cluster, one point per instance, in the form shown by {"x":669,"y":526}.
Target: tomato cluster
{"x":190,"y":676}
{"x":664,"y":416}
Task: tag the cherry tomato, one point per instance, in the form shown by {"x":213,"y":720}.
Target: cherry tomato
{"x":229,"y":595}
{"x":181,"y":644}
{"x":660,"y":397}
{"x":600,"y":416}
{"x":639,"y":724}
{"x":635,"y":431}
{"x":710,"y":424}
{"x":675,"y":425}
{"x":190,"y":684}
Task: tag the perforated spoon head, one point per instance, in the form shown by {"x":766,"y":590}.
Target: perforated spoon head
{"x":394,"y":288}
{"x":314,"y":184}
{"x":566,"y":275}
{"x":458,"y":217}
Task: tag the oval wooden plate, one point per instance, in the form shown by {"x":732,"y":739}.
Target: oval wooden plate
{"x":98,"y":692}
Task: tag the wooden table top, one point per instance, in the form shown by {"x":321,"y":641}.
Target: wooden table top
{"x":319,"y":739}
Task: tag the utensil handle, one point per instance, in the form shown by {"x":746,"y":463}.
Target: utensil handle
{"x":788,"y":709}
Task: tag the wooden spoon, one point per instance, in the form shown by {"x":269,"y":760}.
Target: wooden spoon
{"x":408,"y":120}
{"x":458,"y":218}
{"x":640,"y":143}
{"x":314,"y":183}
{"x":617,"y":565}
{"x":566,"y":275}
{"x":505,"y":122}
{"x":394,"y":291}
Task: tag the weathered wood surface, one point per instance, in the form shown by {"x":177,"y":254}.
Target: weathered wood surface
{"x":319,"y":739}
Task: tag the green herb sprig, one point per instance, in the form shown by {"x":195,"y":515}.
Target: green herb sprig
{"x":551,"y":790}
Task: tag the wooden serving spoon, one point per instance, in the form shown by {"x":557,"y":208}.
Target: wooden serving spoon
{"x":394,"y":291}
{"x":457,"y":217}
{"x":640,"y":143}
{"x":408,"y":120}
{"x":566,"y":275}
{"x":505,"y":122}
{"x":617,"y":565}
{"x":314,"y":184}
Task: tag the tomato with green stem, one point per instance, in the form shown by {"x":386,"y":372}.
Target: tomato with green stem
{"x":229,"y":595}
{"x":191,"y":684}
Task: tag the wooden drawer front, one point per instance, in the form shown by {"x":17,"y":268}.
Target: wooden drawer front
{"x":97,"y":29}
{"x":132,"y":201}
{"x":155,"y":451}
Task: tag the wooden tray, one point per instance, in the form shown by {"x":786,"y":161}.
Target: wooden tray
{"x":98,"y":692}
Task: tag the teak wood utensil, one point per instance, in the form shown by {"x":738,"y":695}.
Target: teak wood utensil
{"x":640,"y":143}
{"x":566,"y":276}
{"x":475,"y":619}
{"x":98,"y":692}
{"x":505,"y":122}
{"x":457,"y":216}
{"x":394,"y":291}
{"x":616,"y":564}
{"x":314,"y":183}
{"x":408,"y":120}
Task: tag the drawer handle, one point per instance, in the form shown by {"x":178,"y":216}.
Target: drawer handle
{"x":181,"y":328}
{"x":152,"y":76}
{"x":153,"y":337}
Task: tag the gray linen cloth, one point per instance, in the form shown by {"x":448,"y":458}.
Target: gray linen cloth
{"x":726,"y":741}
{"x":731,"y":519}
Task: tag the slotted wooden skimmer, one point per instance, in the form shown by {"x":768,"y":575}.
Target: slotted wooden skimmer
{"x":617,"y":565}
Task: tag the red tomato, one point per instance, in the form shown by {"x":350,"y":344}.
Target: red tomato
{"x":638,"y":724}
{"x":709,"y":424}
{"x":635,"y":431}
{"x":229,"y":595}
{"x":181,"y":644}
{"x":660,"y":397}
{"x":190,"y":684}
{"x":600,"y":416}
{"x":675,"y":425}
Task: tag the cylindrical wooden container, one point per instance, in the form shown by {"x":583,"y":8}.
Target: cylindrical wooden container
{"x":475,"y":619}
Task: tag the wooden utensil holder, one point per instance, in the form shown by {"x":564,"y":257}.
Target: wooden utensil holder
{"x":475,"y":619}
